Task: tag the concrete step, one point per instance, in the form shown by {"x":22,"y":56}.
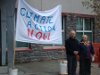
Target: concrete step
{"x":3,"y":70}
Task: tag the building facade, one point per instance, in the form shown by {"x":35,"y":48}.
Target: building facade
{"x":82,"y":19}
{"x":74,"y":16}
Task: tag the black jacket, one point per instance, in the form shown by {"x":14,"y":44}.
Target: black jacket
{"x":83,"y":50}
{"x":71,"y":45}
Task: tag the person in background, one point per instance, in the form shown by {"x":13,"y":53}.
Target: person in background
{"x":72,"y":47}
{"x":86,"y":52}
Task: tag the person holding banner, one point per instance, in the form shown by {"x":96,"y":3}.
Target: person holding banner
{"x":72,"y":47}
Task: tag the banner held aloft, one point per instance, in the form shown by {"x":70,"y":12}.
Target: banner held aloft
{"x":41,"y":27}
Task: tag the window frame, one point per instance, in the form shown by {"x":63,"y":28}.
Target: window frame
{"x":83,"y":31}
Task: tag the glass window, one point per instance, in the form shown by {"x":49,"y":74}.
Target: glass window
{"x":79,"y":35}
{"x":89,"y":34}
{"x":84,"y":26}
{"x":63,"y":29}
{"x":79,"y":25}
{"x":21,"y":44}
{"x":87,"y":24}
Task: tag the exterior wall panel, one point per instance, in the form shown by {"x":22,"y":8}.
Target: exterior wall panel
{"x":70,"y":6}
{"x":35,"y":3}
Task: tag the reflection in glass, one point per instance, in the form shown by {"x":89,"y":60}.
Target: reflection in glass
{"x":88,"y":24}
{"x":21,"y":44}
{"x":79,"y":35}
{"x":79,"y":25}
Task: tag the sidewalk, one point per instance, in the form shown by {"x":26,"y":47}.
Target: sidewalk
{"x":42,"y":68}
{"x":47,"y":68}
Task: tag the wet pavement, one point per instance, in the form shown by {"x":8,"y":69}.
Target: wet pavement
{"x":43,"y":68}
{"x":48,"y":68}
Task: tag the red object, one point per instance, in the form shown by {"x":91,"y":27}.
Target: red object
{"x":53,"y":48}
{"x":99,"y":56}
{"x":97,"y":52}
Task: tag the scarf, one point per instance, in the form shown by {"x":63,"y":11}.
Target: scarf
{"x":87,"y":45}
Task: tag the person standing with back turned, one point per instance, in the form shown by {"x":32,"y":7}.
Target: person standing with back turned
{"x":72,"y":47}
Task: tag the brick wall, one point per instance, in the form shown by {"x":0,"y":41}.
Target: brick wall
{"x":96,"y":35}
{"x":38,"y":54}
{"x":70,"y":24}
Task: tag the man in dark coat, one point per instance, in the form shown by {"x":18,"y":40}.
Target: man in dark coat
{"x":72,"y":47}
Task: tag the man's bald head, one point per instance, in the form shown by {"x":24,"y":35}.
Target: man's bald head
{"x":72,"y":34}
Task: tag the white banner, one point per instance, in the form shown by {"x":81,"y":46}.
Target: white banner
{"x":41,"y":27}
